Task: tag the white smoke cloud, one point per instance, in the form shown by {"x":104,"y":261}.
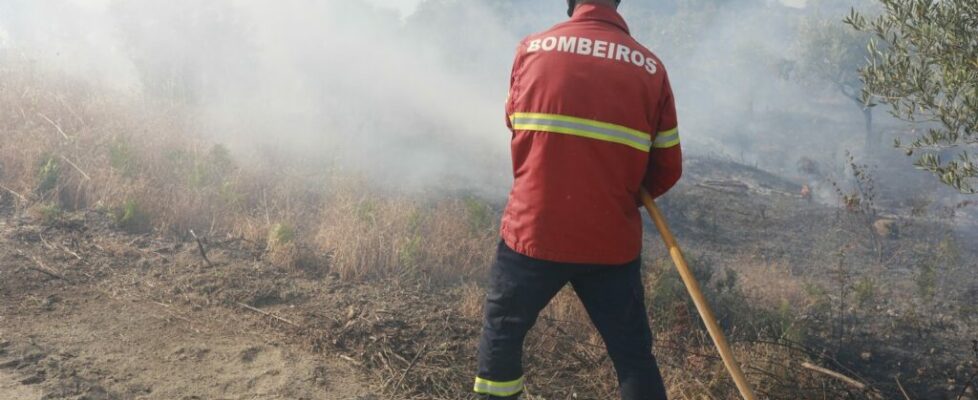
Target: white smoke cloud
{"x":405,"y":7}
{"x":412,"y":91}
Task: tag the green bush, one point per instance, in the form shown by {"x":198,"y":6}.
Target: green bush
{"x":865,"y":291}
{"x":366,"y":211}
{"x":280,"y":234}
{"x":821,"y":302}
{"x":479,"y":214}
{"x":926,"y":280}
{"x":122,"y":157}
{"x":212,"y":169}
{"x":410,"y":254}
{"x":50,"y":213}
{"x":789,"y":326}
{"x":220,"y":160}
{"x":131,"y":217}
{"x":667,"y":295}
{"x":48,"y":174}
{"x":230,"y":195}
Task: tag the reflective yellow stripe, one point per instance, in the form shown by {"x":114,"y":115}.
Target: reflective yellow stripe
{"x":666,"y":139}
{"x":591,"y":129}
{"x":500,"y":389}
{"x":590,"y":122}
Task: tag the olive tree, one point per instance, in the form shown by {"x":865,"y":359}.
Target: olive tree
{"x":828,"y":53}
{"x":923,"y":63}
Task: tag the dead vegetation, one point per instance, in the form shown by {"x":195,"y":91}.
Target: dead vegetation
{"x":125,"y":197}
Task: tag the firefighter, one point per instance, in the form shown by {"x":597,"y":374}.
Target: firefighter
{"x":593,"y":122}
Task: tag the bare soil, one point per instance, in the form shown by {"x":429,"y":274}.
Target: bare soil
{"x":82,"y":317}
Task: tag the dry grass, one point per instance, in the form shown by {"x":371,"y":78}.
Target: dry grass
{"x":152,"y":171}
{"x":68,"y":147}
{"x":771,"y":285}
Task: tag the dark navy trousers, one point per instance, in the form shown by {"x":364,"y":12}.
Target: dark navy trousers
{"x":613,"y":295}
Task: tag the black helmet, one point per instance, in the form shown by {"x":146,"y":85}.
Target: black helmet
{"x":573,"y":3}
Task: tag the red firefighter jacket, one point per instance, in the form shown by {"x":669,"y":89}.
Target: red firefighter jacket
{"x":593,"y":121}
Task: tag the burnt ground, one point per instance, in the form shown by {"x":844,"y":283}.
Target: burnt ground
{"x":885,"y":303}
{"x":90,"y":312}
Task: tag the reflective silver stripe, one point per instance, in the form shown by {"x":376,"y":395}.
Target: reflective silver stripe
{"x":666,"y":139}
{"x":585,"y":128}
{"x":501,"y":389}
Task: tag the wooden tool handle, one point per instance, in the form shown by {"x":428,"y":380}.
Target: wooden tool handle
{"x":698,"y":299}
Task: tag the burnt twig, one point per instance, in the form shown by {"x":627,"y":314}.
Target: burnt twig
{"x":56,"y":126}
{"x":902,"y":391}
{"x":200,"y":246}
{"x":266,"y":313}
{"x":22,"y":198}
{"x":847,"y":380}
{"x":351,"y":360}
{"x":76,"y":168}
{"x":411,"y":365}
{"x":45,"y":270}
{"x":67,"y":250}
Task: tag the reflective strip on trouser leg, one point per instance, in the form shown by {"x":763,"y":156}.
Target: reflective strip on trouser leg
{"x":500,"y":389}
{"x":588,"y":128}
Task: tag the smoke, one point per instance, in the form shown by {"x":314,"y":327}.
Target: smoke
{"x":72,"y":38}
{"x":411,"y":92}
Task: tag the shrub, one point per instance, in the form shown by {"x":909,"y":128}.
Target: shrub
{"x":280,"y":235}
{"x":212,"y":169}
{"x":48,"y":174}
{"x":479,"y":214}
{"x":48,"y":213}
{"x":131,"y":217}
{"x":230,"y":195}
{"x":410,"y":253}
{"x":866,"y":291}
{"x":366,"y":211}
{"x":122,"y":157}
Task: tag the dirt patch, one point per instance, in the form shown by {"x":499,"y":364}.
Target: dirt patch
{"x":107,"y":348}
{"x":12,"y":388}
{"x":85,"y":314}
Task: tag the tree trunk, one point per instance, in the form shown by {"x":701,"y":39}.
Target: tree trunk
{"x":873,"y":139}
